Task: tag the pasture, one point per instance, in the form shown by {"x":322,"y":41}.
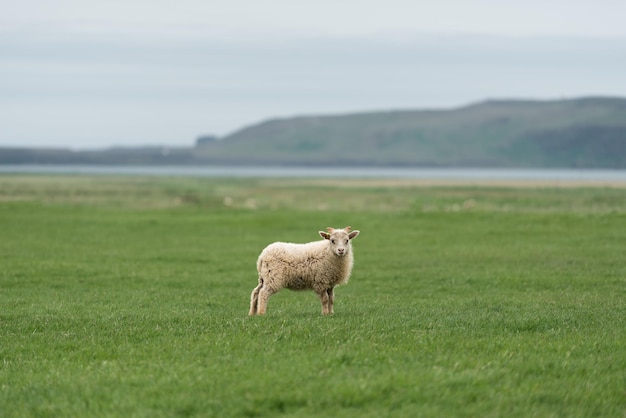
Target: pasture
{"x":128,"y":296}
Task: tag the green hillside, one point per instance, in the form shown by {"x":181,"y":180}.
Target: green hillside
{"x":588,"y":132}
{"x":579,"y":133}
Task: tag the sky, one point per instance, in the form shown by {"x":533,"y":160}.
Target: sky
{"x":90,"y":74}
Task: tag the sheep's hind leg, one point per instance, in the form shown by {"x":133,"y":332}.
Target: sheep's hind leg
{"x":264,"y":295}
{"x":254,"y":299}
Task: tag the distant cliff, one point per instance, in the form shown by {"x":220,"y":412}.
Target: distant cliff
{"x":577,"y":133}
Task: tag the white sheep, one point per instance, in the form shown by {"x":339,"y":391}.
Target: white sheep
{"x":317,"y":266}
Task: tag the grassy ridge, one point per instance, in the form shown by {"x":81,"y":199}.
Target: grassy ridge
{"x":570,"y":133}
{"x":128,"y":297}
{"x":588,"y":132}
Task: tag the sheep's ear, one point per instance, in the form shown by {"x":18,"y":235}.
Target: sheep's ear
{"x":324,"y":235}
{"x":330,"y":229}
{"x":353,"y":234}
{"x":347,"y":228}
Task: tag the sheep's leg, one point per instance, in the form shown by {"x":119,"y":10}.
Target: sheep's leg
{"x":264,"y":295}
{"x":331,"y":300}
{"x":254,"y":299}
{"x":325,"y":299}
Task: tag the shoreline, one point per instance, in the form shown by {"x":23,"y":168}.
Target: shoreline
{"x":355,"y":176}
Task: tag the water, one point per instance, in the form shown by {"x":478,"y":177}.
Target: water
{"x":327,"y":172}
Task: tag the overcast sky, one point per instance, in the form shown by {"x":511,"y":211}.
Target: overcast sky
{"x":90,"y":74}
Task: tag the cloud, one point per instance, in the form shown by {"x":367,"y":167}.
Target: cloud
{"x":88,"y":85}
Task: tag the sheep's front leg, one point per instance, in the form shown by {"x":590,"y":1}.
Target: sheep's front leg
{"x":331,"y":300}
{"x":325,"y":298}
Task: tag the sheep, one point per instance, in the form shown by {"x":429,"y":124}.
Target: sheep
{"x":318,"y":266}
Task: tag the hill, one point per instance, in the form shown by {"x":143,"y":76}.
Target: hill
{"x":587,"y":132}
{"x":578,"y":133}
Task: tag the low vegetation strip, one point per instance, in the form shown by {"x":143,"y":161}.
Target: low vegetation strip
{"x":130,"y":296}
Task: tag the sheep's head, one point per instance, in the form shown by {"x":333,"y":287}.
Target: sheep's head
{"x":339,"y":239}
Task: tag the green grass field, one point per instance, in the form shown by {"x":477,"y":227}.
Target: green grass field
{"x":128,"y":297}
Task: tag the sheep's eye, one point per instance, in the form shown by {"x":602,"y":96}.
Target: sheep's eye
{"x":332,"y":240}
{"x":346,"y":241}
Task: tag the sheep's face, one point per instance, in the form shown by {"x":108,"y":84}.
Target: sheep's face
{"x":339,"y":240}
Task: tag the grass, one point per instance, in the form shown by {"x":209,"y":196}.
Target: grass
{"x":129,"y":297}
